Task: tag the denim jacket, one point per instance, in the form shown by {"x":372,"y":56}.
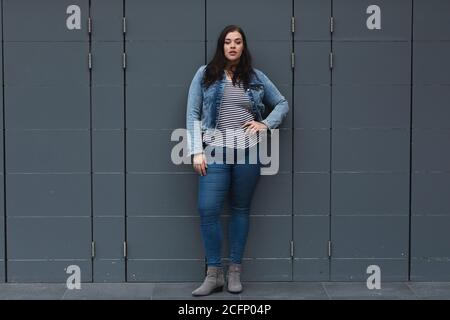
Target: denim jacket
{"x":203,"y":104}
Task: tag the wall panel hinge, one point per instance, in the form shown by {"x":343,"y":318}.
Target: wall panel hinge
{"x":329,"y":248}
{"x":292,"y":60}
{"x":124,"y":25}
{"x":331,"y":24}
{"x":293,"y":24}
{"x":292,"y":248}
{"x":124,"y":60}
{"x":90,"y":60}
{"x":89,"y":25}
{"x":331,"y":60}
{"x":124,"y":249}
{"x":93,"y":249}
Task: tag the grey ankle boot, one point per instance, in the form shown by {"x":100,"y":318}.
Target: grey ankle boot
{"x":234,"y":278}
{"x":213,"y":282}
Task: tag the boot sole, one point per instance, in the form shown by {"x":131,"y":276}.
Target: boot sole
{"x":218,"y":289}
{"x":234,"y":292}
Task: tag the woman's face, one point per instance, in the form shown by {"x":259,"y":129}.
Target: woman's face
{"x":233,"y":46}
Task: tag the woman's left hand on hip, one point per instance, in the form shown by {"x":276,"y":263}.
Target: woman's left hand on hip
{"x":254,"y":126}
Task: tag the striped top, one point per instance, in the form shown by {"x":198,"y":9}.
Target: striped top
{"x":235,"y":110}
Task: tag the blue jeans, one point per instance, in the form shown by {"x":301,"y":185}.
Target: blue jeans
{"x":240,"y":180}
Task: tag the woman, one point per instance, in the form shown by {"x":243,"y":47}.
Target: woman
{"x":239,"y":92}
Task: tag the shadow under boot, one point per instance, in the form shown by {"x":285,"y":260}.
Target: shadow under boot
{"x":234,"y":284}
{"x":213,"y":282}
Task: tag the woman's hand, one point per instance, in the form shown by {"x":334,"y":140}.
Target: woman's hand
{"x":200,"y":165}
{"x":254,"y":126}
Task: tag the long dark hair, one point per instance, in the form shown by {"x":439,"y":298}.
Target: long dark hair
{"x":214,"y":69}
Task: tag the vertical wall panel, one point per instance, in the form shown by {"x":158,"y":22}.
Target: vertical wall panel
{"x":312,"y":112}
{"x":430,"y":181}
{"x":47,"y":147}
{"x":108,"y":140}
{"x":269,"y":41}
{"x":370,"y":148}
{"x":2,"y":173}
{"x":165,"y":46}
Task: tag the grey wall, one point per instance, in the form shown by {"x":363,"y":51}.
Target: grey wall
{"x":364,"y":149}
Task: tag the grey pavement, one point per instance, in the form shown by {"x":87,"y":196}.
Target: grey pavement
{"x":252,"y":291}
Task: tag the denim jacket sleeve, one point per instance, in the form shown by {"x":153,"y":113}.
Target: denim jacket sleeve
{"x":274,"y":99}
{"x":193,"y":114}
